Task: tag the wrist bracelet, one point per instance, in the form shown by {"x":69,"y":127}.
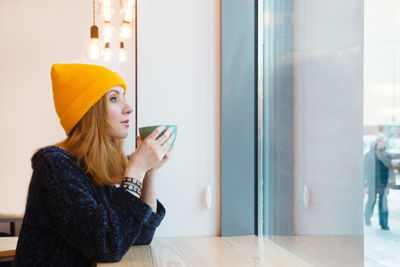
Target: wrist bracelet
{"x":132,"y":188}
{"x":133,"y":181}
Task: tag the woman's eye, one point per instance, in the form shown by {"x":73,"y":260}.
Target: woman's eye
{"x":113,"y":99}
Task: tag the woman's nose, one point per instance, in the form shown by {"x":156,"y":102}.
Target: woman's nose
{"x":128,"y":109}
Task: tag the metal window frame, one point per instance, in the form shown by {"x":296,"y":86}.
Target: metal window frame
{"x":257,"y":133}
{"x":238,"y":117}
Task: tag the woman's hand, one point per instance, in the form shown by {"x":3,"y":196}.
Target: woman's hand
{"x":166,"y":157}
{"x":151,"y":153}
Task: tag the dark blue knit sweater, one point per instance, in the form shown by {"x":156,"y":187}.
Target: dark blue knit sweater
{"x":70,"y":221}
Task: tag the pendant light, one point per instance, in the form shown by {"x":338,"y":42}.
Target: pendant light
{"x":122,"y":53}
{"x":125,"y":30}
{"x":108,"y":31}
{"x":107,"y":11}
{"x":94,"y":48}
{"x":107,"y":52}
{"x":127,"y":8}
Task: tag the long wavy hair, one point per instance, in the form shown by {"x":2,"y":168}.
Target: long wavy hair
{"x":101,"y":156}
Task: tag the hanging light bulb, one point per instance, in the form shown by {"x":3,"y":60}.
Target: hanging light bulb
{"x":94,"y":48}
{"x":130,"y":3}
{"x":107,"y":13}
{"x":107,"y":3}
{"x":107,"y":52}
{"x":125,"y":30}
{"x":108,"y":30}
{"x":127,"y":14}
{"x":122,"y":53}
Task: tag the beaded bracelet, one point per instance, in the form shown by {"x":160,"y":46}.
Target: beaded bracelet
{"x":132,"y":188}
{"x":133,"y":181}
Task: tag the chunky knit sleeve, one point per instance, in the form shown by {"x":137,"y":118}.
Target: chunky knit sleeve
{"x":102,"y":230}
{"x":149,"y":227}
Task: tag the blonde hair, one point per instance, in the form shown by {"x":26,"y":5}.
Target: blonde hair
{"x":100,"y":155}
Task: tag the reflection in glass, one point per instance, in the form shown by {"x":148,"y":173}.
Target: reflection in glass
{"x":381,"y":132}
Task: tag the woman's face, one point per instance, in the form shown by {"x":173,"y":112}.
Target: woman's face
{"x":118,"y":111}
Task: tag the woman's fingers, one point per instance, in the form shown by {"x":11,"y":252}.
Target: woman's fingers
{"x":171,"y":139}
{"x":154,"y":151}
{"x":156,"y":132}
{"x":165,"y":136}
{"x":167,"y":145}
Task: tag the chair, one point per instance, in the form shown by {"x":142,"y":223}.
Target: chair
{"x":12,"y":219}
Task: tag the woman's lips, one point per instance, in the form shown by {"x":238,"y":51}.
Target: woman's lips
{"x":126,"y":123}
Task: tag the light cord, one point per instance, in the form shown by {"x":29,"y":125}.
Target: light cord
{"x":94,"y":15}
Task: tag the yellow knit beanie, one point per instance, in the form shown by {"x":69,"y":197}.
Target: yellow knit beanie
{"x":77,"y":87}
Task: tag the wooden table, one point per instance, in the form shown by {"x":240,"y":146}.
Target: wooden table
{"x":7,"y":247}
{"x":209,"y":251}
{"x":247,"y":251}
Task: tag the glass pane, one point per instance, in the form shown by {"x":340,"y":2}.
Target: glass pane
{"x":381,"y":132}
{"x":312,"y":129}
{"x":276,"y":50}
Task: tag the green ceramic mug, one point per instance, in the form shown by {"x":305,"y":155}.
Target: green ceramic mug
{"x":145,"y":131}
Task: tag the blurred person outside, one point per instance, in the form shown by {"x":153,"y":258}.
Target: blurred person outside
{"x":377,"y":166}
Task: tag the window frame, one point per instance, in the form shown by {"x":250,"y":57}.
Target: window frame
{"x":257,"y":173}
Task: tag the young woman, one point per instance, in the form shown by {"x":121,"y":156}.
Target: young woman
{"x":75,"y":214}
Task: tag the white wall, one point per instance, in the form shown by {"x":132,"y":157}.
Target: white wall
{"x":329,"y":116}
{"x":178,"y":83}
